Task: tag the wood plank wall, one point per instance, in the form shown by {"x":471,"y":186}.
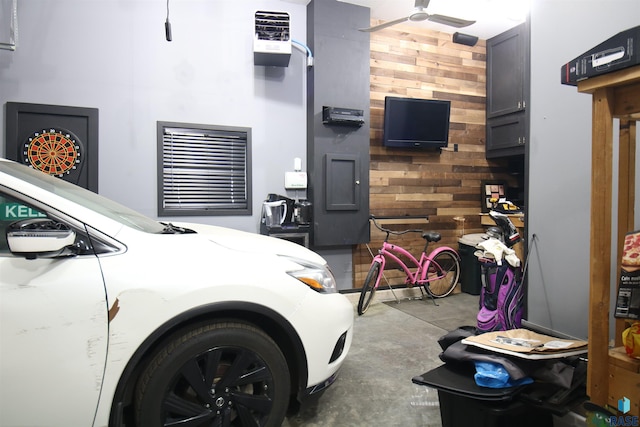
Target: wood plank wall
{"x":408,"y":61}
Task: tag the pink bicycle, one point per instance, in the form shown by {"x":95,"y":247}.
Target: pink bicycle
{"x":437,"y":271}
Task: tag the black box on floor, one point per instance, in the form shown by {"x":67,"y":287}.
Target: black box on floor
{"x":457,"y":410}
{"x":616,"y":53}
{"x":463,"y":403}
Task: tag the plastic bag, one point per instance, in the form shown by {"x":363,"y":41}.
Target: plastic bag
{"x":631,"y":340}
{"x":493,"y":375}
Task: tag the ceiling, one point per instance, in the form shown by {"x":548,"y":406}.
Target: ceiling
{"x":492,"y":16}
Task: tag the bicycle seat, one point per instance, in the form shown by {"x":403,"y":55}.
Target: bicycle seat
{"x":432,"y":236}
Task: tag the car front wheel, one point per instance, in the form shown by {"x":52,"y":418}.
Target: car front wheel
{"x":219,"y":374}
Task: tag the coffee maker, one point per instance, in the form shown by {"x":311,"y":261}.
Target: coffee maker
{"x":286,"y":218}
{"x":302,"y":213}
{"x":281,"y":204}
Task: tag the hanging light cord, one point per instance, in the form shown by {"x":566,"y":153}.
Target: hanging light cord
{"x":167,"y":25}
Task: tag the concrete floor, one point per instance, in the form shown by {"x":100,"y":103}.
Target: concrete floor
{"x":392,"y":343}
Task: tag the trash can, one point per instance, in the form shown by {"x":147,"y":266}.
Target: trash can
{"x":470,"y":271}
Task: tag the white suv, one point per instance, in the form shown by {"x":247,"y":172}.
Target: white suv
{"x":108,"y":317}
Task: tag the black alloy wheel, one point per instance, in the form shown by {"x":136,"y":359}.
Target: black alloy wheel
{"x":219,"y":374}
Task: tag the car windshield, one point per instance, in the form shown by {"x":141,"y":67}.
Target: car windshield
{"x":83,"y":197}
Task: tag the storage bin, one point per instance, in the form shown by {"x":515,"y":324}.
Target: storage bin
{"x":470,"y":281}
{"x":464,"y":404}
{"x":463,"y":411}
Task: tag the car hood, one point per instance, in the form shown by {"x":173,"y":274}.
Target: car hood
{"x":243,"y":241}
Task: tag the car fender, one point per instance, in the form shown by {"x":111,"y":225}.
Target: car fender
{"x":116,"y":394}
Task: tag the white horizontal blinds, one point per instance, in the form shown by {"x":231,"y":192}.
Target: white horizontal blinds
{"x":204,"y":169}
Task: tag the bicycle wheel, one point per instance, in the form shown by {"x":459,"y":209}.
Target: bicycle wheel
{"x":443,"y":274}
{"x":369,"y":287}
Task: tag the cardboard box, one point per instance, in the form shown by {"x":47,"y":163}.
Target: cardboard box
{"x":616,"y":53}
{"x":628,"y":301}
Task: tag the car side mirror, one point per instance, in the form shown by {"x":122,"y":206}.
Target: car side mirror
{"x":39,"y":237}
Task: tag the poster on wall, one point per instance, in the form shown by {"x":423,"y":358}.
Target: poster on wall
{"x":58,"y":140}
{"x":628,"y":301}
{"x":491,"y":190}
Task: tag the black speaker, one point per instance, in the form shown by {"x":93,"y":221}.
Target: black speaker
{"x":465,"y":39}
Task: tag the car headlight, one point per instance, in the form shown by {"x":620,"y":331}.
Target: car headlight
{"x":317,"y":277}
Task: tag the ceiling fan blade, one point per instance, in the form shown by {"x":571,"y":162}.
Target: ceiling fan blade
{"x":384,"y":25}
{"x":451,"y":21}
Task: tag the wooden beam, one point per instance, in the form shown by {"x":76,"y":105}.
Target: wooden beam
{"x":627,"y":100}
{"x":617,"y":78}
{"x":600,"y":270}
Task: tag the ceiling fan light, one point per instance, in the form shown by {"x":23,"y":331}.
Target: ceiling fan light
{"x":419,"y":16}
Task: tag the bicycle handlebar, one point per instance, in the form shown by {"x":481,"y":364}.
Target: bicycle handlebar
{"x":386,"y":230}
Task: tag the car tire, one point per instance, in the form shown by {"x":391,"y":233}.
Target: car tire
{"x":225,"y":373}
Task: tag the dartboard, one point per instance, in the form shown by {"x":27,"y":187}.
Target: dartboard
{"x":53,"y":151}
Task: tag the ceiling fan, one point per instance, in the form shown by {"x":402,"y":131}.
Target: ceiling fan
{"x":419,"y":14}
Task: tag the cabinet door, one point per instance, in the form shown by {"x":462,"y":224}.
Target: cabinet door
{"x":506,"y":135}
{"x":506,"y":64}
{"x":342,"y":182}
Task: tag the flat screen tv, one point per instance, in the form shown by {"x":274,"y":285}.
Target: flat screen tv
{"x":416,"y":123}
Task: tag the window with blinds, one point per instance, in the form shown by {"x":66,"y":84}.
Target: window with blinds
{"x":203,"y":170}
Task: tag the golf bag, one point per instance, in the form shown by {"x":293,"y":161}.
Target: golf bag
{"x":501,"y":297}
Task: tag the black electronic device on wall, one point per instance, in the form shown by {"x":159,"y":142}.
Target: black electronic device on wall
{"x":342,"y":116}
{"x":465,"y":39}
{"x":416,"y":123}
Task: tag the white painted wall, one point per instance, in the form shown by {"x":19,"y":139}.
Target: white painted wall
{"x":112,"y":55}
{"x":560,"y":158}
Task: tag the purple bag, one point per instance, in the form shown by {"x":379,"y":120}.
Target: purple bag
{"x":501,"y":299}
